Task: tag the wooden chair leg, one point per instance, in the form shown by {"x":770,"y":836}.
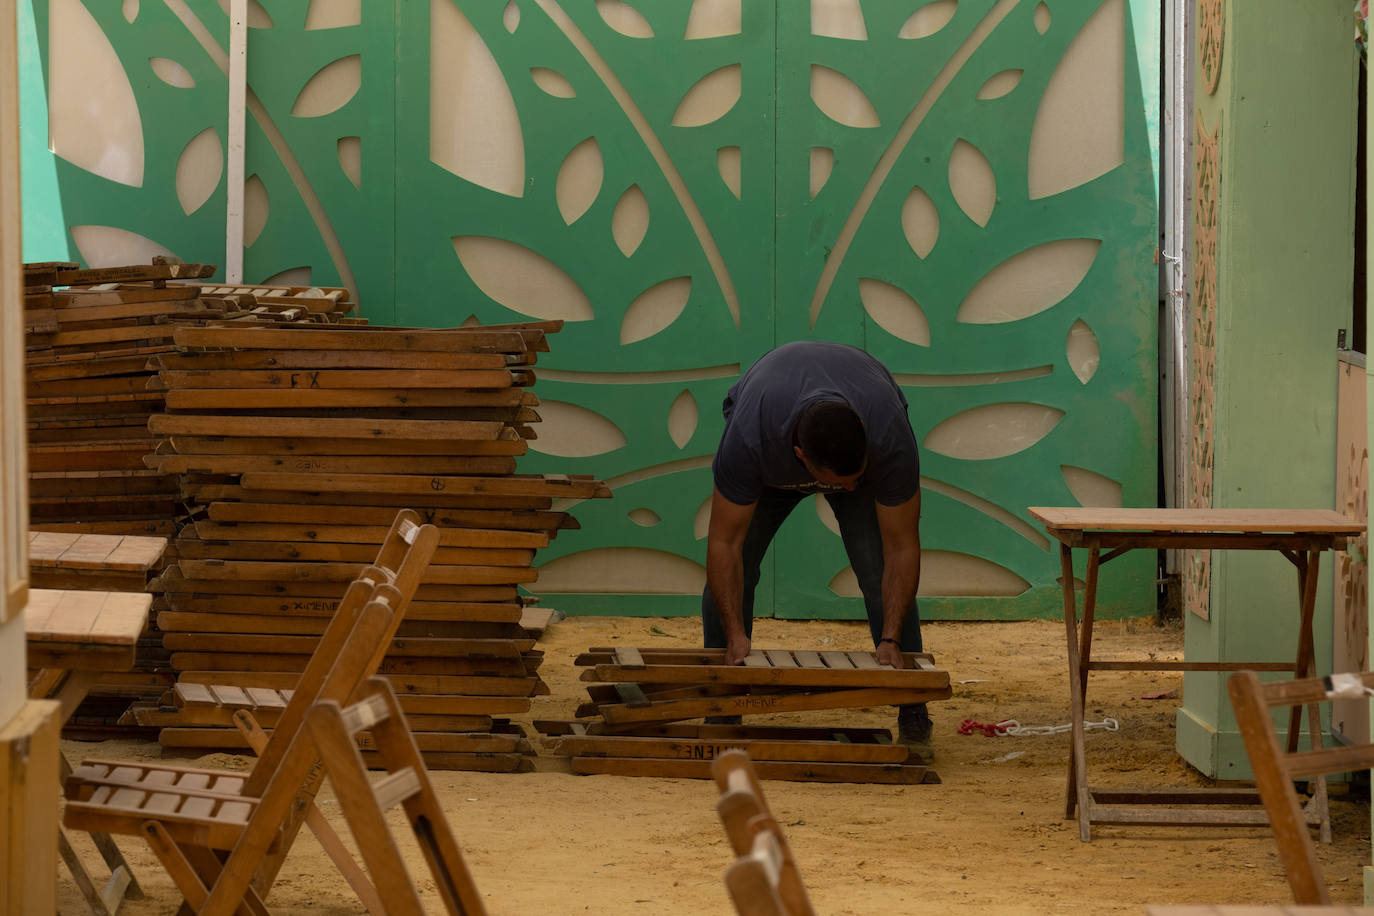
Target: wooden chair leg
{"x":82,"y":877}
{"x":183,"y":874}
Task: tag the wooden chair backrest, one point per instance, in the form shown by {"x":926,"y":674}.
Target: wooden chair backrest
{"x":764,"y":879}
{"x":364,"y":802}
{"x":1276,"y":769}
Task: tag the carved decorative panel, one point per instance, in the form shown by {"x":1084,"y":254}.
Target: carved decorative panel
{"x":1202,"y":366}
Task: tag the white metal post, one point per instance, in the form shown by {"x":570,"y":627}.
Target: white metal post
{"x":238,"y":91}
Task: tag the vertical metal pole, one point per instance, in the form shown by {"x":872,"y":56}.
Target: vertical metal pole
{"x":238,"y":91}
{"x":1175,"y":204}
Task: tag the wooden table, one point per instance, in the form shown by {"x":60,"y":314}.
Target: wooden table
{"x":75,"y":636}
{"x":112,"y":562}
{"x":1300,"y":535}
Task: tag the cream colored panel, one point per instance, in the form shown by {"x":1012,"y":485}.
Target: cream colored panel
{"x":655,"y":309}
{"x":645,"y":518}
{"x":130,"y":10}
{"x":1091,"y":488}
{"x":999,"y":84}
{"x":630,"y":220}
{"x":826,"y":514}
{"x":701,"y":523}
{"x":838,"y":19}
{"x":841,"y":99}
{"x":1080,"y":127}
{"x":621,"y":571}
{"x":710,"y":99}
{"x":256,"y":207}
{"x":894,"y":311}
{"x":334,"y":14}
{"x":936,"y":380}
{"x":988,"y":508}
{"x":1042,"y":17}
{"x":920,"y":222}
{"x":728,"y":162}
{"x":570,"y":431}
{"x":351,"y":159}
{"x":257,"y":16}
{"x":928,"y":20}
{"x":682,"y":418}
{"x":624,"y":18}
{"x":972,"y":182}
{"x":93,"y":118}
{"x":520,"y":279}
{"x":510,"y":16}
{"x":992,"y":431}
{"x":822,"y":163}
{"x":474,"y":128}
{"x":296,"y":276}
{"x":945,"y":573}
{"x":1082,"y":351}
{"x":552,"y":82}
{"x":579,"y":180}
{"x":172,"y":73}
{"x":1029,"y":282}
{"x":713,"y":19}
{"x":199,"y":168}
{"x":331,"y":88}
{"x":109,"y":246}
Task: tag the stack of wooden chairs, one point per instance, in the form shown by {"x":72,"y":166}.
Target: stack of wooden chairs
{"x":293,"y":448}
{"x":635,"y":720}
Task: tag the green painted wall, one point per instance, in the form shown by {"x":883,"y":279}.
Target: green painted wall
{"x":1286,"y":106}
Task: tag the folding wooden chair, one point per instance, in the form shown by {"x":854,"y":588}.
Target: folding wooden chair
{"x":111,"y":793}
{"x":763,"y":880}
{"x":364,"y":803}
{"x":1276,"y":769}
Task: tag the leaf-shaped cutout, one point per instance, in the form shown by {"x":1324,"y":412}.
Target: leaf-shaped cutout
{"x":838,"y":19}
{"x":256,"y":207}
{"x":257,"y":16}
{"x":894,"y":311}
{"x":630,"y":220}
{"x":822,"y":163}
{"x":682,"y":418}
{"x":701,"y":522}
{"x":474,"y":129}
{"x":579,"y":180}
{"x":93,"y":118}
{"x":972,"y":182}
{"x":655,"y":309}
{"x":713,"y":19}
{"x":645,"y":518}
{"x":920,"y":222}
{"x":110,"y":246}
{"x":999,"y":84}
{"x":620,"y":571}
{"x":710,"y":99}
{"x":1079,"y":132}
{"x":172,"y":73}
{"x":292,"y":276}
{"x":331,"y":88}
{"x":552,"y":82}
{"x":351,"y":159}
{"x":928,"y":20}
{"x":572,"y":431}
{"x":130,"y":10}
{"x":333,"y":14}
{"x":624,"y":18}
{"x":1082,"y":351}
{"x":841,"y":99}
{"x":1029,"y":282}
{"x":826,"y":514}
{"x":992,"y":431}
{"x":522,"y":280}
{"x":1042,"y":17}
{"x":728,"y":163}
{"x":510,"y":16}
{"x":1091,"y":488}
{"x":199,"y":168}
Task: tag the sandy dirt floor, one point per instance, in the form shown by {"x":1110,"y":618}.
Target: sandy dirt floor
{"x":991,"y":838}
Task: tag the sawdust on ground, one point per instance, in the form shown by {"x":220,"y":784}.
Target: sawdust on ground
{"x":991,"y":838}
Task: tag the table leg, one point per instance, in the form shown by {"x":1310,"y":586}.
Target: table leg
{"x":1078,"y":778}
{"x":1085,"y":628}
{"x":1306,"y":665}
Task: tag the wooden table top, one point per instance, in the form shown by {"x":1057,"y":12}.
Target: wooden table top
{"x":1226,"y":521}
{"x":61,"y":550}
{"x":76,"y":629}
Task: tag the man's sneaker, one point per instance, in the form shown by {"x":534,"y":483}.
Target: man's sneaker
{"x":914,"y":729}
{"x":722,"y":720}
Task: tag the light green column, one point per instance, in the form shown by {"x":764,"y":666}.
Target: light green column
{"x":1286,"y":109}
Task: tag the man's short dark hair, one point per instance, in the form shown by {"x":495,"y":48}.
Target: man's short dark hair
{"x":831,"y":435}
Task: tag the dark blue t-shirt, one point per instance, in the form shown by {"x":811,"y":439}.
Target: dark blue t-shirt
{"x":762,"y":408}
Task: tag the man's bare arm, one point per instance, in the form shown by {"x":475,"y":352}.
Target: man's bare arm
{"x":900,"y":527}
{"x":725,"y":570}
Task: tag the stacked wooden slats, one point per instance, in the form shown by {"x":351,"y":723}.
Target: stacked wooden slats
{"x":300,"y":445}
{"x":640,"y":698}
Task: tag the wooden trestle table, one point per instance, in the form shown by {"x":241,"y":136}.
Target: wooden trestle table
{"x":1300,"y":535}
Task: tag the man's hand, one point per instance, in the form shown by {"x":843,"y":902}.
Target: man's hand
{"x":736,"y":650}
{"x":890,"y":654}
